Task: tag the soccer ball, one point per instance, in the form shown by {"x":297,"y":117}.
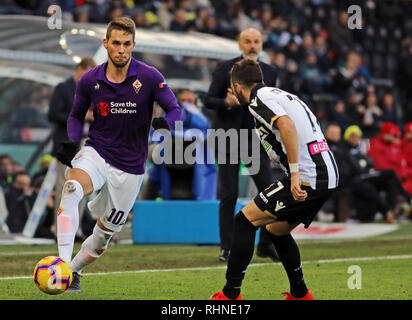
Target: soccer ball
{"x":52,"y":275}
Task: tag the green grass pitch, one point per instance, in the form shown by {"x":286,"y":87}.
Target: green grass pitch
{"x":187,"y":272}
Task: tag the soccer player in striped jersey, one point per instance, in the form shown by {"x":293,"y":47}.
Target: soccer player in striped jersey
{"x":290,"y":133}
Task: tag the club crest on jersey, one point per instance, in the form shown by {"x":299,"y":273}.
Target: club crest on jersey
{"x":162,"y":84}
{"x":97,"y":87}
{"x":59,"y":211}
{"x":137,"y":85}
{"x":103,"y":108}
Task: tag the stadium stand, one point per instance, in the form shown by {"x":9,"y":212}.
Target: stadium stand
{"x":319,"y":58}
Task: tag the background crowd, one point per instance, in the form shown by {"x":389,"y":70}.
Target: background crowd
{"x":357,"y":81}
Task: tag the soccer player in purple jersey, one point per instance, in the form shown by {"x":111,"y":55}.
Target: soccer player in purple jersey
{"x":122,"y":91}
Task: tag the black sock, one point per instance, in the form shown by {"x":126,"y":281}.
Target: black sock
{"x":289,"y":254}
{"x":241,"y":253}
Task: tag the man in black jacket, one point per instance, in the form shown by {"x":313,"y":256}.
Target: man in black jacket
{"x":230,"y":115}
{"x":59,"y":109}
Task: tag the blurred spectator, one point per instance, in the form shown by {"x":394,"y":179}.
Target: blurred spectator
{"x":404,"y":73}
{"x":406,"y":145}
{"x":322,"y":54}
{"x":249,"y":17}
{"x":391,"y":112}
{"x":307,"y":42}
{"x":116,"y":11}
{"x":367,"y":183}
{"x":340,"y":116}
{"x":341,"y":39}
{"x":185,"y":181}
{"x":140,"y":19}
{"x":351,"y":75}
{"x":44,"y":164}
{"x":179,"y":23}
{"x":6,"y":171}
{"x":314,"y":80}
{"x":165,"y":13}
{"x":211,"y":26}
{"x":16,"y":166}
{"x":292,"y":81}
{"x":81,"y":14}
{"x":187,"y":7}
{"x":18,"y":201}
{"x":341,"y":196}
{"x":265,"y":21}
{"x":385,"y":150}
{"x":293,"y":51}
{"x":372,"y":116}
{"x":289,"y":35}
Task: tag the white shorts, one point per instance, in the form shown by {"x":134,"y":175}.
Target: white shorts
{"x":118,"y":189}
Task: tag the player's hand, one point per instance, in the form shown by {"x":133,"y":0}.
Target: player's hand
{"x":297,"y":192}
{"x":160,"y":123}
{"x":231,"y":100}
{"x":66,"y":152}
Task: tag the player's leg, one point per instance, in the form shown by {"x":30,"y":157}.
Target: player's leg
{"x":228,"y":180}
{"x":289,"y":254}
{"x":286,"y":247}
{"x":87,"y":174}
{"x":115,"y":200}
{"x":77,"y":185}
{"x":246,"y":223}
{"x":262,"y":179}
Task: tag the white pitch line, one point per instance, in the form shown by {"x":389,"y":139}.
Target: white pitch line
{"x":26,"y":253}
{"x":408,"y":256}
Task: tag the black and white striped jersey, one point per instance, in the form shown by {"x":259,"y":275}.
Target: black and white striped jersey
{"x":317,"y":165}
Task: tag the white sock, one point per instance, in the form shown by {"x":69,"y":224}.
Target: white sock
{"x":68,"y":218}
{"x":92,"y":248}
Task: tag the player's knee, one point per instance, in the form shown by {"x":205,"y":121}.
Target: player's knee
{"x":72,"y":189}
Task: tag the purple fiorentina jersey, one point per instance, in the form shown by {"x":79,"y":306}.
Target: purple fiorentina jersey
{"x":122,"y":113}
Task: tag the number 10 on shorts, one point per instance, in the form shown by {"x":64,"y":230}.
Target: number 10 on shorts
{"x":116,"y":216}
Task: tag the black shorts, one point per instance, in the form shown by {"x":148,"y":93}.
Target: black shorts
{"x":277,"y":199}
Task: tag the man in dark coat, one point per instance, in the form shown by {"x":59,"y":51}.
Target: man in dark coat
{"x":230,"y":115}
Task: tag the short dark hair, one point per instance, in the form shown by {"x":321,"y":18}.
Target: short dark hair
{"x":122,"y":23}
{"x":246,"y":72}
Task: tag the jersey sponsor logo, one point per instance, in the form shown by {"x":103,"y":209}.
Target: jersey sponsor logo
{"x":162,"y":84}
{"x":123,"y":107}
{"x":60,"y":211}
{"x":103,"y":108}
{"x":279,"y":206}
{"x":137,"y":85}
{"x":318,"y":147}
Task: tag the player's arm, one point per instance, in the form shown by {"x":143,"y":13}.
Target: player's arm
{"x":289,"y":137}
{"x":167,"y":101}
{"x":81,"y":104}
